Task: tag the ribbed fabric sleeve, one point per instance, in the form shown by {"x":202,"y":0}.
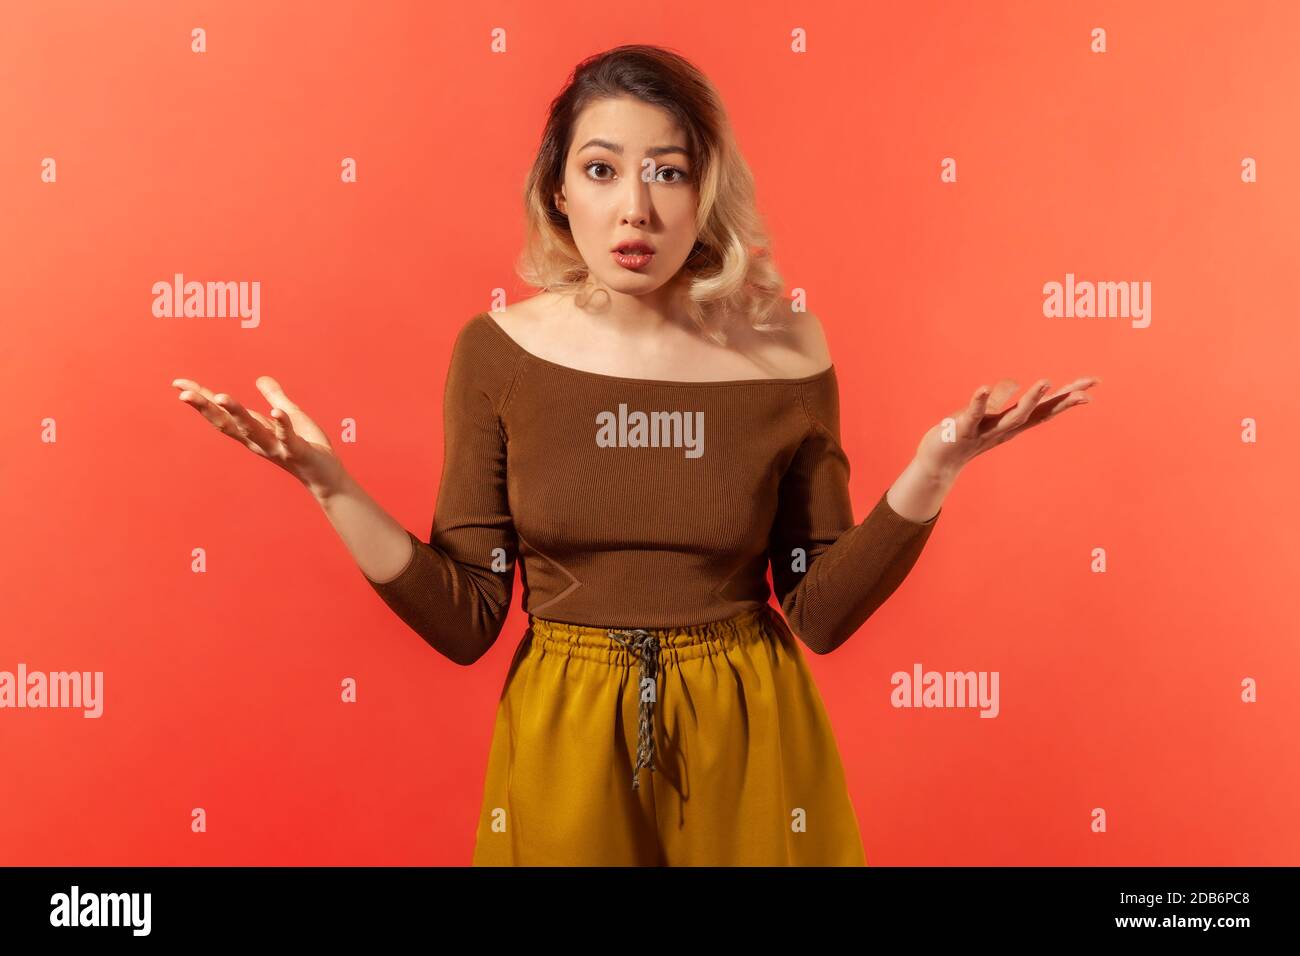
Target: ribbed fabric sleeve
{"x":830,"y":573}
{"x":456,"y":588}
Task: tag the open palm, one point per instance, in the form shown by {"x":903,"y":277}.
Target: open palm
{"x":289,"y":437}
{"x":949,"y":445}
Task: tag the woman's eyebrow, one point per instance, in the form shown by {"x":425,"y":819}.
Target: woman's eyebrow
{"x":616,"y":148}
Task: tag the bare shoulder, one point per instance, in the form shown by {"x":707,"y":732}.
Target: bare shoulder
{"x":797,"y":350}
{"x":811,"y":338}
{"x":519,"y":319}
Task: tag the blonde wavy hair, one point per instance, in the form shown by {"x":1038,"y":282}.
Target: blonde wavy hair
{"x":729,"y":272}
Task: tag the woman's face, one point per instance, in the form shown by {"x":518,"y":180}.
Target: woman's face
{"x":627,"y":178}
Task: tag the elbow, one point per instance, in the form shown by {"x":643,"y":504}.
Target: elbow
{"x":465,"y":645}
{"x":824,"y":626}
{"x":823,"y":643}
{"x":824,"y":633}
{"x":820,"y":638}
{"x":466,"y":654}
{"x":456,"y":653}
{"x":466,"y":661}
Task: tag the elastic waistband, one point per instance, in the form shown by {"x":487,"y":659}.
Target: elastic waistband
{"x":674,"y":643}
{"x":649,"y":648}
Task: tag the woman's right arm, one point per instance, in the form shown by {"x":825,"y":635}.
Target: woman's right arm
{"x":456,"y":601}
{"x":382,"y":548}
{"x":454,"y":589}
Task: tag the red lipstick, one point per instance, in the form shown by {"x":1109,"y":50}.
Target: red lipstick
{"x":633,"y":253}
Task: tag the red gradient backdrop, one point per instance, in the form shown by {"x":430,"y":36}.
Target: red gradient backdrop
{"x":1119,"y":690}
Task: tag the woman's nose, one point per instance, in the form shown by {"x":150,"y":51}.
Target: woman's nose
{"x":636,"y":207}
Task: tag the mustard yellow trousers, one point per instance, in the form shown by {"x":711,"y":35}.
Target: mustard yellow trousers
{"x":689,"y":746}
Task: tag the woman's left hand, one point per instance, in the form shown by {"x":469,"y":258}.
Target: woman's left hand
{"x":947,"y":446}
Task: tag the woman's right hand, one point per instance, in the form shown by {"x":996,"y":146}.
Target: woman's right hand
{"x":290,"y":438}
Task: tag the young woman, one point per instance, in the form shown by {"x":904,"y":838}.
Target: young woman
{"x":643,"y":439}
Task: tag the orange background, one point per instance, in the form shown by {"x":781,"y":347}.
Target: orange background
{"x":1118,"y":690}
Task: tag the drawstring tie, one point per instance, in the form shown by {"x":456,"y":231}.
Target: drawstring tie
{"x":646,"y":646}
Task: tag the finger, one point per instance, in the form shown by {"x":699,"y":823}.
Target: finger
{"x":261,"y":420}
{"x":282,"y":424}
{"x":1055,"y":405}
{"x":274,"y":394}
{"x":220,"y":419}
{"x":1077,"y":385}
{"x":215,"y":414}
{"x":291,"y":444}
{"x":1050,"y":408}
{"x":969,"y":421}
{"x":249,"y":428}
{"x":1002,"y":391}
{"x":190,"y":385}
{"x":1016,"y":416}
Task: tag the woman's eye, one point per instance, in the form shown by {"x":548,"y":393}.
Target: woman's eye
{"x":678,"y":175}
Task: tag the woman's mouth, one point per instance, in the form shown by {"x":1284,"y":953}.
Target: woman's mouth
{"x":633,"y":255}
{"x":633,"y":260}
